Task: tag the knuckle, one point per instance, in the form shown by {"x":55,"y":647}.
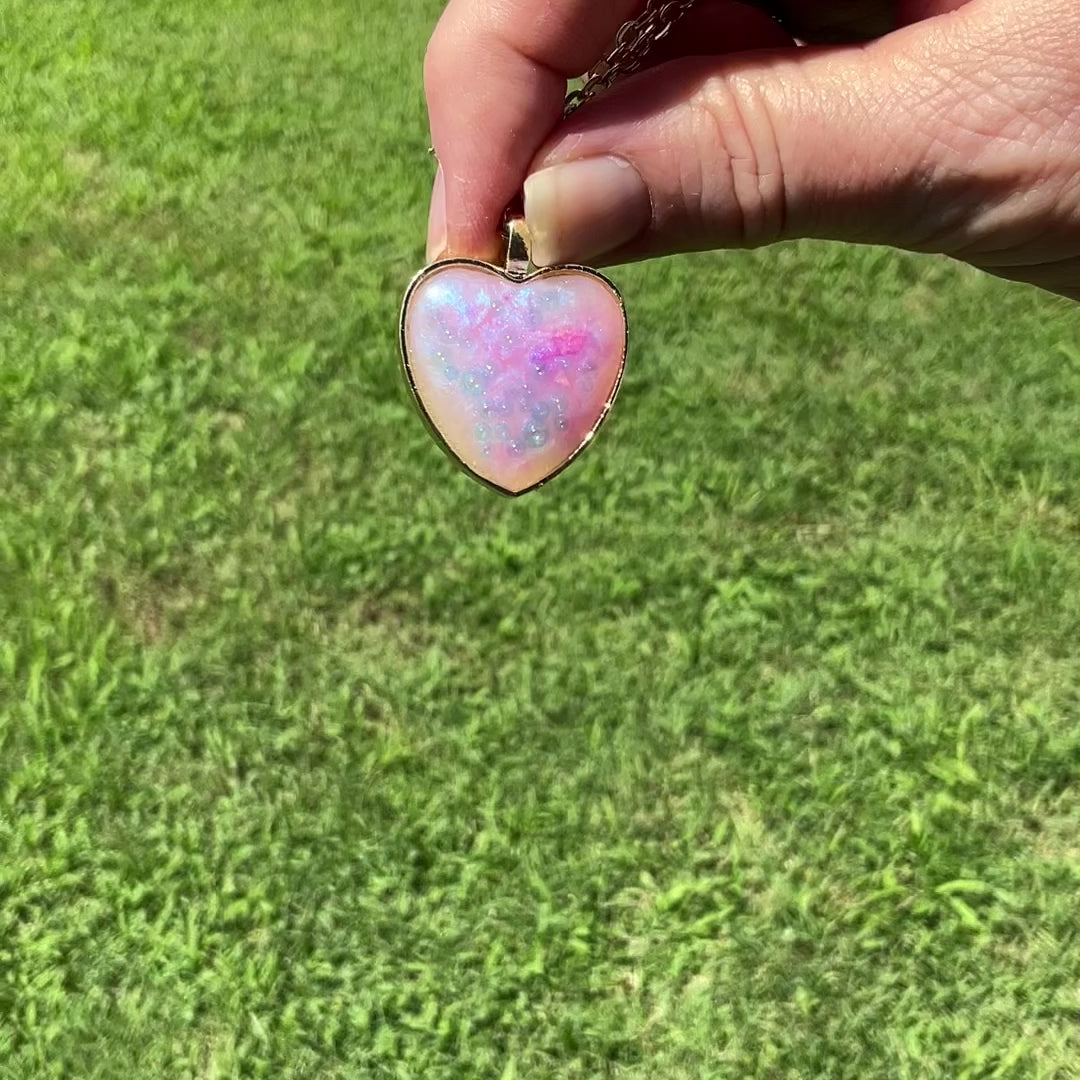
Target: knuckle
{"x":739,"y":179}
{"x":439,"y":59}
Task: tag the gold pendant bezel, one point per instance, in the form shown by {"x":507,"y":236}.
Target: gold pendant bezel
{"x":515,"y":275}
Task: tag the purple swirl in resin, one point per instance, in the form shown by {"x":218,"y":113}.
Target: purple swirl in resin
{"x":515,"y":376}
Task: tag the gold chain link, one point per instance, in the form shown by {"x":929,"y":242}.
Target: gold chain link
{"x":633,"y":43}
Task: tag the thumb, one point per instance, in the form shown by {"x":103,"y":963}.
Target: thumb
{"x":748,"y":149}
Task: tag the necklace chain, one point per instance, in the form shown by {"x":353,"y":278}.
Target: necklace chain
{"x":633,"y":43}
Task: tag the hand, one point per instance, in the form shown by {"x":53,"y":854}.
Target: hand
{"x":957,"y":132}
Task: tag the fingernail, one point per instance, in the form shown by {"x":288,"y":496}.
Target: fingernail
{"x":582,"y":209}
{"x":436,"y":243}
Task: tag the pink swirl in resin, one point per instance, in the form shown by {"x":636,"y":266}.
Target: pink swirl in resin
{"x":515,"y":376}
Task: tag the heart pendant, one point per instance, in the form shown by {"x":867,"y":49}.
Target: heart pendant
{"x":514,"y":371}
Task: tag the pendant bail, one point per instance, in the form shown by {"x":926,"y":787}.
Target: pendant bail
{"x":518,"y":257}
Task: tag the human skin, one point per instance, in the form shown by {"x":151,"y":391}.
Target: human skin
{"x":931,"y":125}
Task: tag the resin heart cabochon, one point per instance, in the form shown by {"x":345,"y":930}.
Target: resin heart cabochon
{"x":513,"y":375}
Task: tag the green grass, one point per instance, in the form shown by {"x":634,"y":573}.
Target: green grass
{"x":748,"y":748}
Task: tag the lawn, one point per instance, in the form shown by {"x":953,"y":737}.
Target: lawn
{"x":747,"y":748}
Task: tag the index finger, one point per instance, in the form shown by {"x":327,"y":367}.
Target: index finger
{"x":495,"y":77}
